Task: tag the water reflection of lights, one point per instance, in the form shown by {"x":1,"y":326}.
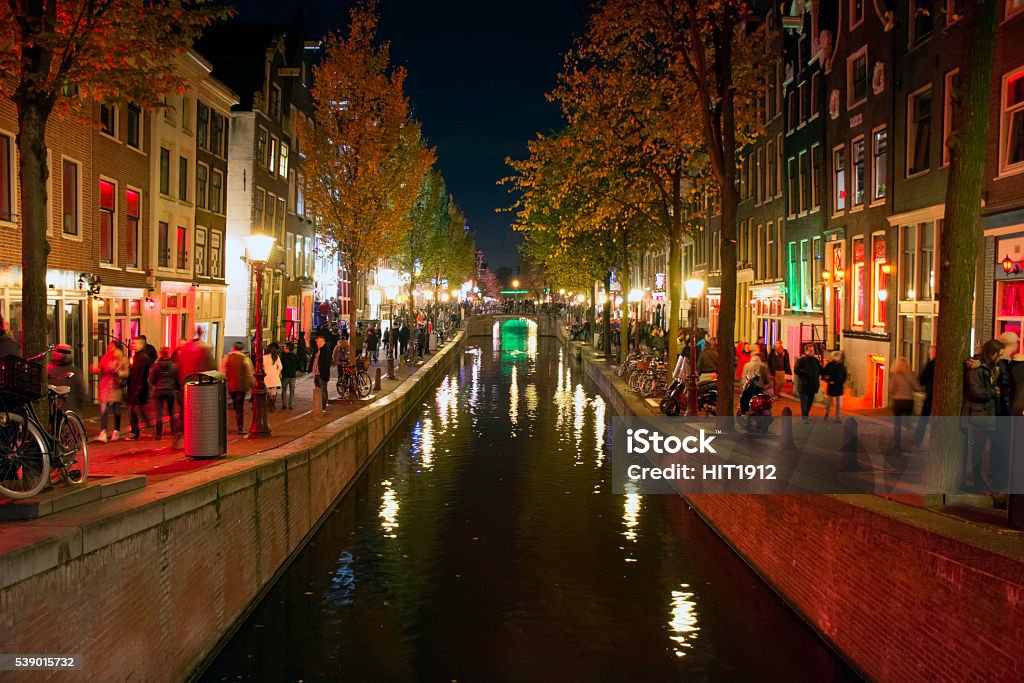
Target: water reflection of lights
{"x":343,"y":581}
{"x":579,"y":405}
{"x":599,"y":415}
{"x":388,"y":510}
{"x":513,"y":398}
{"x":531,"y":397}
{"x":447,"y":402}
{"x":631,"y":512}
{"x":425,"y":440}
{"x":682,"y":625}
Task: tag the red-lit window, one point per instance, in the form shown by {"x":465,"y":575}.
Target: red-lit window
{"x":132,"y":207}
{"x":6,"y":179}
{"x":182,"y":251}
{"x":880,"y":264}
{"x":69,"y":197}
{"x":857,"y":283}
{"x":1011,"y":300}
{"x":106,"y":221}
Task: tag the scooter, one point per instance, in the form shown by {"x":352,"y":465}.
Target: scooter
{"x":758,"y":416}
{"x":674,"y":401}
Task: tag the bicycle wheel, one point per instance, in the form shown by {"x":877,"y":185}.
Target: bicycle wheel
{"x":73,"y":462}
{"x":363,"y":384}
{"x":342,"y":387}
{"x":24,"y":460}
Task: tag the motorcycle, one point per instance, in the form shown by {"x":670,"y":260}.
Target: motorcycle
{"x":758,"y":416}
{"x":674,"y":401}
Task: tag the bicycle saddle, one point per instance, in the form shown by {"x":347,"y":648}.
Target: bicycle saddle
{"x":60,"y":391}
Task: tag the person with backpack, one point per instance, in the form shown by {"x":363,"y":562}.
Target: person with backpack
{"x":163,"y":378}
{"x":237,"y":370}
{"x":807,"y":372}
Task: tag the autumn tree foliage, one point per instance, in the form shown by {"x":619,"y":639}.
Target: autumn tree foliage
{"x":450,"y":255}
{"x":365,"y":160}
{"x":62,"y":56}
{"x":428,"y":216}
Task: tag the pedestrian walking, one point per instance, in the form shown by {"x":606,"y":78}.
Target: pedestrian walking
{"x":979,"y":409}
{"x":755,"y":368}
{"x":137,"y":392}
{"x":320,"y":367}
{"x":742,"y":357}
{"x":62,"y":372}
{"x":163,"y":378}
{"x":834,"y":373}
{"x":237,"y":370}
{"x":778,"y":365}
{"x":403,"y":338}
{"x":113,"y":370}
{"x":926,"y":378}
{"x":902,"y":386}
{"x":148,"y":349}
{"x":272,"y":375}
{"x":290,"y":365}
{"x":707,"y":362}
{"x":807,"y":377}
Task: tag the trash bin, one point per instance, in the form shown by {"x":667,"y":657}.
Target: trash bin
{"x":206,"y":424}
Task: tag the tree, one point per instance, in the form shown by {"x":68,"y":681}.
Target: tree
{"x":63,"y":56}
{"x":429,"y":215}
{"x":958,"y":241}
{"x":365,"y":161}
{"x":451,"y":249}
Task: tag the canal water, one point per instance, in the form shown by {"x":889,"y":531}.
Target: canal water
{"x":483,"y":544}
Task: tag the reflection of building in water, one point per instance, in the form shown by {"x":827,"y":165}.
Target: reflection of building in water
{"x":682,"y":624}
{"x":388,"y":510}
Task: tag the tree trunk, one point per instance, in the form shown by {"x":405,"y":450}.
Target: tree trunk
{"x":675,"y":272}
{"x":958,"y":245}
{"x":353,"y":274}
{"x":33,"y":112}
{"x":624,"y":315}
{"x":606,"y":323}
{"x":591,"y":308}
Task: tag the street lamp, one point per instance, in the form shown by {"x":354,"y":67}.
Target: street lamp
{"x":259,"y":247}
{"x":694,"y":288}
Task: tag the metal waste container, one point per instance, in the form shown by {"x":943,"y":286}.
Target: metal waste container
{"x":206,"y":423}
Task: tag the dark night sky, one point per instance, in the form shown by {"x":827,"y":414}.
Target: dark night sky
{"x":478,"y":71}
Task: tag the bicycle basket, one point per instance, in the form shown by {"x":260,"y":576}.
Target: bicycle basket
{"x":20,"y":380}
{"x":643,"y":365}
{"x":365,"y":363}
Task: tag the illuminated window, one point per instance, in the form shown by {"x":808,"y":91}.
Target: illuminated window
{"x":878,"y":162}
{"x":282,"y":166}
{"x":133,"y":209}
{"x":182,"y":260}
{"x":107,"y":206}
{"x":839,"y":178}
{"x":1012,"y":124}
{"x":200,"y":253}
{"x":858,"y":171}
{"x":273,"y":155}
{"x":857,"y":307}
{"x":805,"y":274}
{"x":6,"y":178}
{"x":817,"y":263}
{"x":881,"y":281}
{"x":69,"y":196}
{"x":216,"y":262}
{"x":792,"y":277}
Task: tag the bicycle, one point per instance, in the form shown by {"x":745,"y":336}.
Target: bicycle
{"x":32,"y":456}
{"x":353,"y":381}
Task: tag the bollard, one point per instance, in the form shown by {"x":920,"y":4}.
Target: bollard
{"x":376,"y":380}
{"x":787,"y":430}
{"x":848,"y":457}
{"x":391,"y":367}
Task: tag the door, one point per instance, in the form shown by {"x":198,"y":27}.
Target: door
{"x":877,"y":367}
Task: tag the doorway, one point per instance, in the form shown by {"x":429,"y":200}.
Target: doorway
{"x":876,"y":374}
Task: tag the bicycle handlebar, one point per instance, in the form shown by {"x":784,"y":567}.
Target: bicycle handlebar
{"x":39,"y":355}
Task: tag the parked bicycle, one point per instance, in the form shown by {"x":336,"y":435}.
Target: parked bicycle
{"x":31,"y":455}
{"x":354,"y":380}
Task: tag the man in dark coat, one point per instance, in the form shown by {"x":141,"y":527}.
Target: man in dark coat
{"x":138,"y":386}
{"x":320,"y":365}
{"x":808,"y":374}
{"x":9,"y":346}
{"x":403,"y":338}
{"x":62,"y":372}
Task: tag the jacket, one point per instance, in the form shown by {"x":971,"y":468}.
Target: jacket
{"x":902,"y":386}
{"x":237,"y":371}
{"x":112,"y":369}
{"x":323,"y":364}
{"x":138,"y":378}
{"x":163,"y":377}
{"x":979,"y":404}
{"x":193,"y":357}
{"x":927,"y":378}
{"x":779,"y":362}
{"x":340,"y":354}
{"x":834,"y":374}
{"x":272,"y":371}
{"x":808,"y":371}
{"x":289,"y":365}
{"x":9,"y":345}
{"x":707,"y":361}
{"x":756,"y":369}
{"x":1017,"y":374}
{"x":55,"y":374}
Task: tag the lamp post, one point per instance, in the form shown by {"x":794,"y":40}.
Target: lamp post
{"x":694,"y":288}
{"x":391,"y":292}
{"x":259,"y":247}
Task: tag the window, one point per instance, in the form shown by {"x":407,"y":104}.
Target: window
{"x":217,"y":192}
{"x":817,"y":263}
{"x":270,"y":203}
{"x":908,"y":268}
{"x":815,"y":177}
{"x":200,"y":255}
{"x":926,"y":258}
{"x":261,"y":146}
{"x":69,"y":197}
{"x":792,"y":110}
{"x":805,"y":274}
{"x":186,"y":113}
{"x":290,"y":254}
{"x":792,"y":286}
{"x":857,"y":78}
{"x":773,"y":253}
{"x":300,"y":195}
{"x":273,"y":155}
{"x":743,"y":178}
{"x":793,"y":189}
{"x":815,"y":94}
{"x":134,"y":123}
{"x":1013,"y":6}
{"x":202,"y":125}
{"x":107,"y":206}
{"x":282,"y":166}
{"x":803,"y":95}
{"x":952,"y":81}
{"x":183,"y":179}
{"x":182,"y":260}
{"x":878,"y":162}
{"x":280,"y":214}
{"x":839,"y":178}
{"x":215,"y":255}
{"x":108,"y":119}
{"x":954,"y":10}
{"x":275,"y":102}
{"x":769,"y":180}
{"x":257,"y":218}
{"x":6,"y":178}
{"x":202,"y":175}
{"x":858,"y":171}
{"x":133,"y":206}
{"x":163,"y":256}
{"x":919,"y":125}
{"x":856,"y":13}
{"x":760,"y":175}
{"x":857,"y":311}
{"x":779,"y":151}
{"x":879,"y":263}
{"x":165,"y":171}
{"x":218,"y":134}
{"x":922,"y":18}
{"x":1012,"y":123}
{"x":805,"y":181}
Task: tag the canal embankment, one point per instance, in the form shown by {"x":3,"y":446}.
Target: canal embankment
{"x":885,"y":584}
{"x":145,"y":585}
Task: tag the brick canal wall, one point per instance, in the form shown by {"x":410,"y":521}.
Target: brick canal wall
{"x":903,"y":594}
{"x":145,"y":585}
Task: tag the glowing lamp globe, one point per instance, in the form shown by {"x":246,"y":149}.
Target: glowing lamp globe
{"x":259,"y":247}
{"x":694,"y":288}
